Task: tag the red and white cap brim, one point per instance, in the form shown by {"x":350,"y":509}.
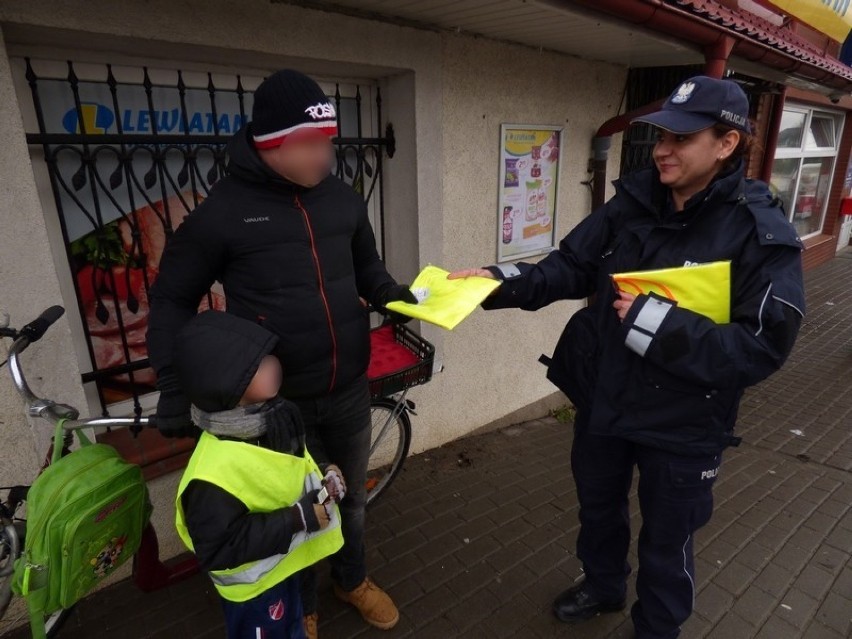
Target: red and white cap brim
{"x":277,"y":138}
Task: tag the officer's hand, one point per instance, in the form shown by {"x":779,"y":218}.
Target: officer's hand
{"x":173,"y":418}
{"x":335,"y":483}
{"x":623,"y":303}
{"x":471,"y":272}
{"x":313,"y":516}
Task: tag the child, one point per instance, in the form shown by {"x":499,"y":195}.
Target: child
{"x":252,"y":504}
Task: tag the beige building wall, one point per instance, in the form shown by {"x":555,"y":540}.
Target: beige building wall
{"x":490,"y":360}
{"x":446,"y":95}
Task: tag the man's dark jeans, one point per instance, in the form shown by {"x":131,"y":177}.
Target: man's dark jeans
{"x":341,"y":421}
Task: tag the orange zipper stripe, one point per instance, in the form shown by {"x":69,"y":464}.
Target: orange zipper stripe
{"x":322,"y":293}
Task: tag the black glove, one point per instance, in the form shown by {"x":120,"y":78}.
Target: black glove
{"x":305,"y":513}
{"x":285,"y":430}
{"x":173,"y":418}
{"x":393,"y":293}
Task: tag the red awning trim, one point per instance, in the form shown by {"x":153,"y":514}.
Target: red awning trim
{"x":757,"y":29}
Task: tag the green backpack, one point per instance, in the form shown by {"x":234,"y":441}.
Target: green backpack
{"x":85,"y":517}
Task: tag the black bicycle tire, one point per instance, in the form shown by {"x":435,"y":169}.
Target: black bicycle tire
{"x":6,"y":580}
{"x":404,"y":425}
{"x":53,"y":622}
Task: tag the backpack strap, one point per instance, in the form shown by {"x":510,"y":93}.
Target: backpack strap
{"x":59,"y":437}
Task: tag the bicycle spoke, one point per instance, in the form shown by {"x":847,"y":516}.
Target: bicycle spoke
{"x":391,"y":431}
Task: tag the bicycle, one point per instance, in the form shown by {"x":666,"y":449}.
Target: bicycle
{"x":407,"y":362}
{"x":410,"y":365}
{"x":149,"y":573}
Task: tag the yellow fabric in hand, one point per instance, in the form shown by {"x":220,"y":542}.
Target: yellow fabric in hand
{"x":703,"y":288}
{"x":444,"y":302}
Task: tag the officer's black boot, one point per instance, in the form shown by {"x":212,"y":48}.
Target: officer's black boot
{"x":578,"y":604}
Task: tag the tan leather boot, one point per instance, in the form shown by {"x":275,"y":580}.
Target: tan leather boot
{"x":374,"y":604}
{"x":311,"y":623}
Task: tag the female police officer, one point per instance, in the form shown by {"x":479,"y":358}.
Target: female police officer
{"x":657,"y":385}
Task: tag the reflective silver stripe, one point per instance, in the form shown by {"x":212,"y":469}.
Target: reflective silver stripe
{"x":760,"y":311}
{"x":686,"y":572}
{"x":250,"y":575}
{"x":508,"y":270}
{"x":638,"y":342}
{"x":652,"y":314}
{"x":258,"y":569}
{"x":790,"y":304}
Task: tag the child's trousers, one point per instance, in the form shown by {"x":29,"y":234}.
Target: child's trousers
{"x":274,"y":614}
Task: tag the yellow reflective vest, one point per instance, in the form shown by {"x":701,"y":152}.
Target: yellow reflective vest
{"x":264,"y":480}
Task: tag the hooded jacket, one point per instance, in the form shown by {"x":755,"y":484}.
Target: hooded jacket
{"x":292,"y":259}
{"x":215,"y":357}
{"x":678,"y":386}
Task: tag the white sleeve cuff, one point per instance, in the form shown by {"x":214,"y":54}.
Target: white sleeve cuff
{"x":652,"y":314}
{"x":508,"y":270}
{"x":647,"y":323}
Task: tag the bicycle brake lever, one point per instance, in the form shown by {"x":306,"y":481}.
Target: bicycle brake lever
{"x":52,"y":411}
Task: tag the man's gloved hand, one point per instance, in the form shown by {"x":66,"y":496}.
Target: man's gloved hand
{"x":313,"y":516}
{"x":285,"y":430}
{"x":394,"y":293}
{"x":335,"y":483}
{"x":173,"y":418}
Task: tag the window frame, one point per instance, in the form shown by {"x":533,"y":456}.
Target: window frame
{"x":803,"y":153}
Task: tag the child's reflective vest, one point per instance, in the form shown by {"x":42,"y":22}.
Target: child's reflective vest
{"x":264,"y":480}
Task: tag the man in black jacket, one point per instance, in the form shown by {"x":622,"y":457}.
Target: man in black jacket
{"x":295,"y":252}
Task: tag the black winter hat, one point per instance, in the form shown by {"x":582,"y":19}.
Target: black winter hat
{"x":288,"y":102}
{"x":216,"y":356}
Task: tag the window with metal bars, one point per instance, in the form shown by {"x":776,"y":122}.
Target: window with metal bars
{"x":129,"y":152}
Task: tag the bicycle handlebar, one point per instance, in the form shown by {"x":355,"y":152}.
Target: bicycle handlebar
{"x":38,"y":327}
{"x":46,"y":408}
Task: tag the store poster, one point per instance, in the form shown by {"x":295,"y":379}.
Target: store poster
{"x":529,"y":170}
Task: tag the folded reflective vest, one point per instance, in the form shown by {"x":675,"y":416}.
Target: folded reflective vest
{"x":703,"y":288}
{"x":444,"y":302}
{"x":264,"y":480}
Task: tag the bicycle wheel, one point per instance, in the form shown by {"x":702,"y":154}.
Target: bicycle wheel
{"x":10,"y":548}
{"x":389,"y":443}
{"x":11,"y":541}
{"x":53,"y":622}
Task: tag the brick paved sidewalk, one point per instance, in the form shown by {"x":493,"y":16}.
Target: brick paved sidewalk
{"x":475,"y":539}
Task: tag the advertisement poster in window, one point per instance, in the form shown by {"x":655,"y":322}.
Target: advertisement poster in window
{"x":529,"y":171}
{"x":118,"y":201}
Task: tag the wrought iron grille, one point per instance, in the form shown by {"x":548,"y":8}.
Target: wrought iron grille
{"x":127,"y":160}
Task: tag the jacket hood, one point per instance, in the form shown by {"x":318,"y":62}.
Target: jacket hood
{"x":245,"y":163}
{"x":216,"y":355}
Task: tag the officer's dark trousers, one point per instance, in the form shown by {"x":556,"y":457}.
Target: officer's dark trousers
{"x":675,"y":500}
{"x":342,"y":421}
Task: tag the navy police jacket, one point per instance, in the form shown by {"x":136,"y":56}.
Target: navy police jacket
{"x":667,"y":377}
